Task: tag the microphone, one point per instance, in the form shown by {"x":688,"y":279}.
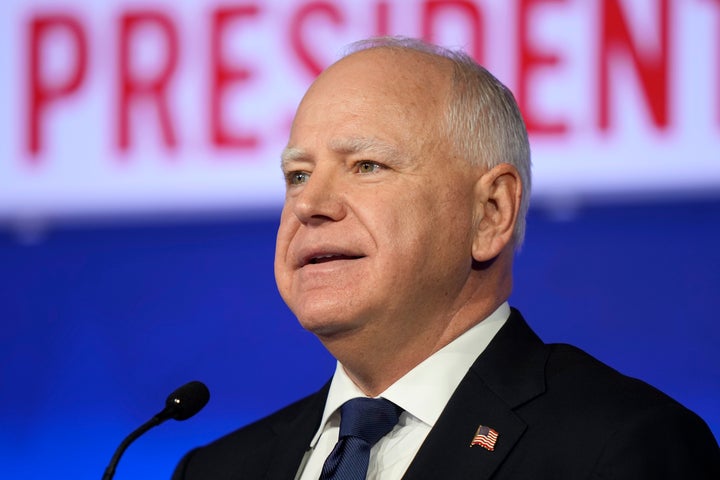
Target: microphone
{"x":182,"y":404}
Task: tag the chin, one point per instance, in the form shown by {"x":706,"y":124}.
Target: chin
{"x":321,"y":325}
{"x":327,"y":323}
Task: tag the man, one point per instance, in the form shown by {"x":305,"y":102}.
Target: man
{"x":407,"y":175}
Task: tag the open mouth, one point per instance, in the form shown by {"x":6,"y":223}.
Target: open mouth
{"x":330,"y":258}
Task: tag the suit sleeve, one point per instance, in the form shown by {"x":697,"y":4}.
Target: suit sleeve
{"x":666,"y":442}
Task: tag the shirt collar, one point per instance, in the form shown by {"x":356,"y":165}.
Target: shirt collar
{"x":425,"y":390}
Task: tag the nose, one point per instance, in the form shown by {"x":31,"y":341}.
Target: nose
{"x":320,"y":199}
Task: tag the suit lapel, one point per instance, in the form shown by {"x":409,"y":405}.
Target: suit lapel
{"x":446,"y":453}
{"x":507,"y":374}
{"x":293,"y":437}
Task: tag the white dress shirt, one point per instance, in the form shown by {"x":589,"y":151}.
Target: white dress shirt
{"x":422,"y":393}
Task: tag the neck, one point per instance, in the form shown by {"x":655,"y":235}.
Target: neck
{"x":381,"y":352}
{"x":374,"y":362}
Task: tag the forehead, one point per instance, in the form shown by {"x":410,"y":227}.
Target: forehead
{"x":376,"y":93}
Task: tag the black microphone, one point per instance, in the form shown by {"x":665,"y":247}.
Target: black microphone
{"x":182,"y":404}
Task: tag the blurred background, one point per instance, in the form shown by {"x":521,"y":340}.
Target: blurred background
{"x":140,"y":192}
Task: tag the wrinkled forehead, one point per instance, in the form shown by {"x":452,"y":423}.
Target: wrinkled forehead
{"x":397,"y":89}
{"x":399,"y":77}
{"x":395,"y":62}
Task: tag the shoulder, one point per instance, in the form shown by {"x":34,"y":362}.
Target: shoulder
{"x":251,"y":447}
{"x":634,"y":429}
{"x":592,"y":386}
{"x":584,"y":419}
{"x":596,"y":395}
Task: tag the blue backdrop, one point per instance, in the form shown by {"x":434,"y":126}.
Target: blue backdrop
{"x":100,"y":323}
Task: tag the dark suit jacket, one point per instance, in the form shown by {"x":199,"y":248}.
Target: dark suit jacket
{"x":560,"y":414}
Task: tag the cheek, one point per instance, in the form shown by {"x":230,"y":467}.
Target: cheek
{"x":442,"y":225}
{"x":286,"y":232}
{"x":409,"y":237}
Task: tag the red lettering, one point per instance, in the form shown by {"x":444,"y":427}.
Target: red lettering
{"x":224,"y":75}
{"x":530,"y":59}
{"x":432,"y":9}
{"x":42,"y":91}
{"x":297,"y":25}
{"x":132,"y":87}
{"x":717,"y":69}
{"x":382,"y":16}
{"x":652,"y":67}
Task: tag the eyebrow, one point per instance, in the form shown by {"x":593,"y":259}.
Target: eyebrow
{"x":292,"y":154}
{"x":346,"y":146}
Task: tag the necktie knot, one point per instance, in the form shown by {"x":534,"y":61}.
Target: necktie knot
{"x":368,"y":418}
{"x":363,"y":421}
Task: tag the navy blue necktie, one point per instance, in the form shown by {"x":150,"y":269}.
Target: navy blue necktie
{"x":363,"y":421}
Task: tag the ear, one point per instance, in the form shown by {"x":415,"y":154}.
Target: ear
{"x":497,"y":202}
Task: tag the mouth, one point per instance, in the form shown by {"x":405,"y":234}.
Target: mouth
{"x":329,"y":257}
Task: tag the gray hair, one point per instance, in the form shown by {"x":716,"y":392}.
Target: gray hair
{"x":482,"y":117}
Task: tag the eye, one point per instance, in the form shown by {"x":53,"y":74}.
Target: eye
{"x":367,"y":166}
{"x":297,"y":177}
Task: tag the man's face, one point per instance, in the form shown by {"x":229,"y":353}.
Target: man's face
{"x":376,"y":231}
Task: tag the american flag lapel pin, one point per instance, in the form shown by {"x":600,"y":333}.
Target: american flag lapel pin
{"x":485,"y":437}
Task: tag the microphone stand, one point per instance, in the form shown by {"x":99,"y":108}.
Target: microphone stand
{"x":110,"y":470}
{"x":182,"y":404}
